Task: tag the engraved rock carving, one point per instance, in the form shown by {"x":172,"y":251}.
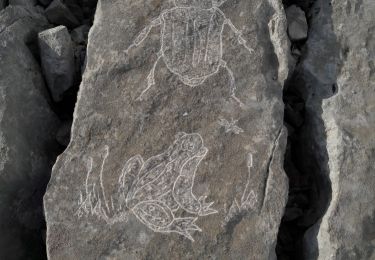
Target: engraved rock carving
{"x":153,"y":190}
{"x":191,"y":42}
{"x":230,"y":126}
{"x":248,"y":199}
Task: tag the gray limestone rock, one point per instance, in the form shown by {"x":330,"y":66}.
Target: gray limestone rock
{"x":23,"y":2}
{"x":297,"y":24}
{"x":80,"y":34}
{"x":2,"y":4}
{"x":178,"y":140}
{"x":339,"y":69}
{"x":58,"y":13}
{"x":57,"y":56}
{"x":27,"y":131}
{"x":45,"y":2}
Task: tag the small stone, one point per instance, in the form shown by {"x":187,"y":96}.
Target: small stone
{"x":2,"y":4}
{"x":63,"y":134}
{"x":75,"y":8}
{"x":57,"y":56}
{"x":45,"y":2}
{"x":293,"y":117}
{"x":292,"y":213}
{"x":80,"y":34}
{"x":297,"y":24}
{"x":23,"y":2}
{"x":296,"y":52}
{"x":58,"y":13}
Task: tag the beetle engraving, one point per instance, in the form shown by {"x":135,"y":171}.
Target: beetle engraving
{"x":191,"y":42}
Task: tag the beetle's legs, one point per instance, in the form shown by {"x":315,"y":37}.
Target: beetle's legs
{"x":143,"y":34}
{"x":232,"y":83}
{"x":151,"y":77}
{"x":239,"y":36}
{"x":218,"y":3}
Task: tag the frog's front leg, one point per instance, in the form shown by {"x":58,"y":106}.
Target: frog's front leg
{"x":159,"y":217}
{"x":182,"y":190}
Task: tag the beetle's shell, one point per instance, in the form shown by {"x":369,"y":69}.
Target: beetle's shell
{"x":191,"y":42}
{"x":205,"y":4}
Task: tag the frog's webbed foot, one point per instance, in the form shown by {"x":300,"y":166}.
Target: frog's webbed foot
{"x":183,"y":226}
{"x":159,"y":217}
{"x":206,"y":207}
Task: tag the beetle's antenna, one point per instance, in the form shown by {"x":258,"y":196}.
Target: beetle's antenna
{"x":218,"y":3}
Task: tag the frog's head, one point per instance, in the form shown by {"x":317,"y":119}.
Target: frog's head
{"x":190,"y":144}
{"x":204,"y":4}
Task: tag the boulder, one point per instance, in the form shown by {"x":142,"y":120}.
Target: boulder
{"x":58,"y":13}
{"x":27,"y":132}
{"x":144,"y":118}
{"x":2,"y":4}
{"x":339,"y":72}
{"x":23,"y":2}
{"x":57,"y":56}
{"x":45,"y":2}
{"x":297,"y":24}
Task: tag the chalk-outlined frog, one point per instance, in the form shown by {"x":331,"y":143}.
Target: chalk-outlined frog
{"x":163,"y":184}
{"x":153,"y":190}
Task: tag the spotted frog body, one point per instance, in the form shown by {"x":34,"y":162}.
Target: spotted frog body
{"x":157,"y":188}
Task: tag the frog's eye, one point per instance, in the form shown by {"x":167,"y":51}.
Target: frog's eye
{"x":188,"y":146}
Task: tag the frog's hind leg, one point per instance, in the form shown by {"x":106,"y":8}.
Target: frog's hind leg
{"x":232,"y":83}
{"x":183,"y":226}
{"x":151,"y":76}
{"x":159,"y":217}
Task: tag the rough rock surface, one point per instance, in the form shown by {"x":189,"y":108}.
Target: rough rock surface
{"x":23,"y":2}
{"x":58,"y":13}
{"x":339,"y":75}
{"x":176,"y":156}
{"x":57,"y":55}
{"x":26,"y":133}
{"x":2,"y":4}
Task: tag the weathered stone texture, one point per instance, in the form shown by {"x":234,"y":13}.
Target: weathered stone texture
{"x":58,"y":13}
{"x":57,"y":55}
{"x":153,"y":136}
{"x":339,"y":68}
{"x":27,"y":130}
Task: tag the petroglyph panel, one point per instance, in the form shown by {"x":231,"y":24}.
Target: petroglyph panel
{"x":176,"y":100}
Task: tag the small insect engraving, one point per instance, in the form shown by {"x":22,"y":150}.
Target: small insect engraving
{"x":153,"y":190}
{"x":230,"y":127}
{"x":191,"y":42}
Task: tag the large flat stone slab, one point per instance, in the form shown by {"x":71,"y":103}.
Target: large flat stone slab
{"x":177,"y":142}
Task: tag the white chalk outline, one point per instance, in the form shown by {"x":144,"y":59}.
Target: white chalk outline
{"x":248,"y":198}
{"x":192,"y":81}
{"x":179,"y":162}
{"x":230,"y":126}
